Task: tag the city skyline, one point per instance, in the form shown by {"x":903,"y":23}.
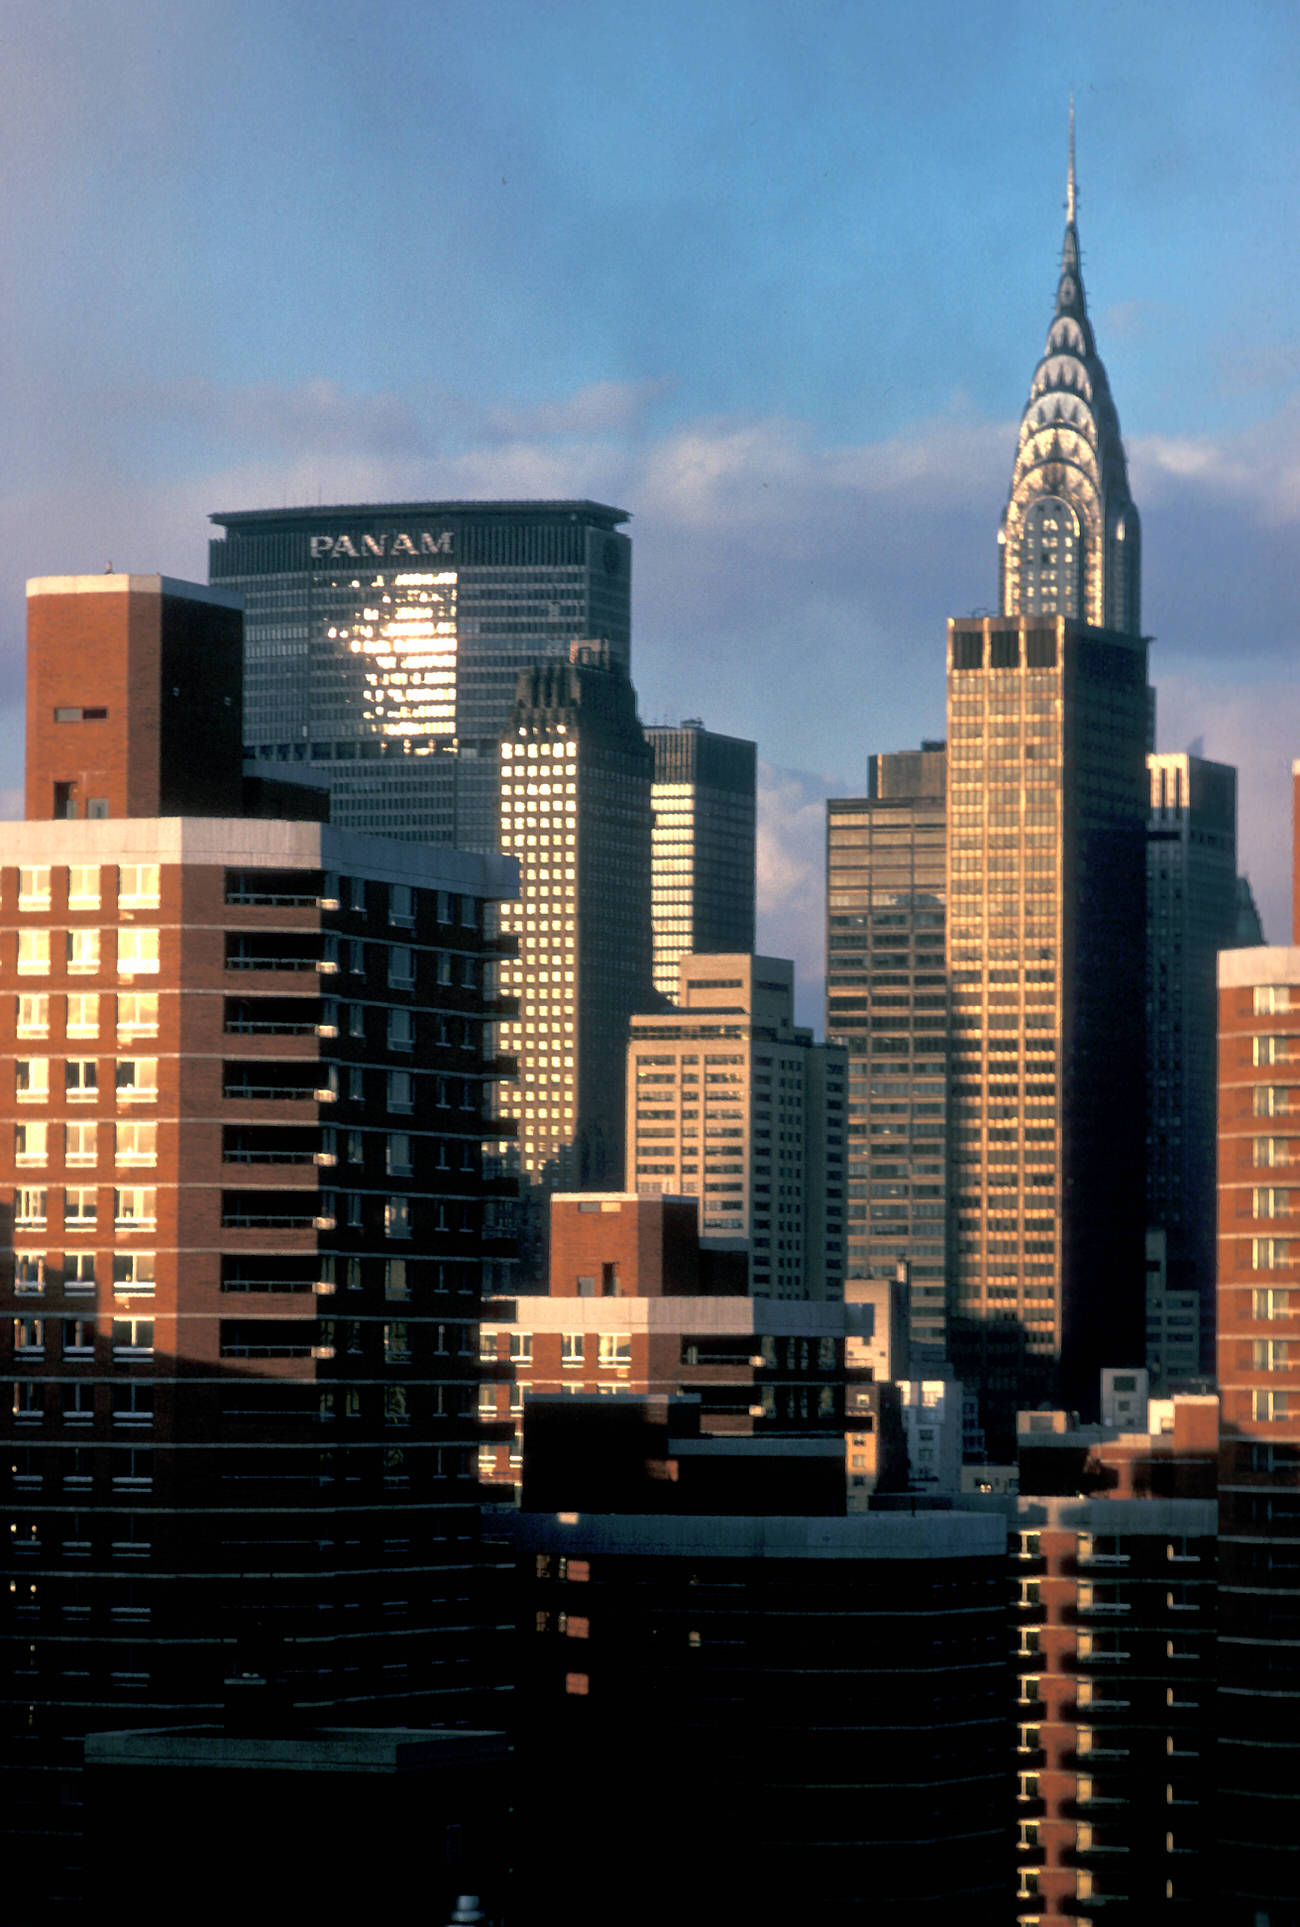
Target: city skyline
{"x":775,"y":296}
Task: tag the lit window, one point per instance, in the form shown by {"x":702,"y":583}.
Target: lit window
{"x":81,"y":1077}
{"x":133,"y":1271}
{"x":83,"y":952}
{"x":137,"y":953}
{"x":137,"y":1014}
{"x":615,"y":1348}
{"x":397,"y":1217}
{"x":80,"y":1206}
{"x":30,"y":1206}
{"x":136,"y":1077}
{"x":138,"y":886}
{"x":136,"y":1206}
{"x":34,"y":888}
{"x":34,"y":1015}
{"x":30,"y":1143}
{"x":81,"y":1143}
{"x":33,"y":953}
{"x":83,"y":1013}
{"x":136,"y":1144}
{"x":571,"y":1348}
{"x":83,"y":886}
{"x":32,"y":1079}
{"x":29,"y":1273}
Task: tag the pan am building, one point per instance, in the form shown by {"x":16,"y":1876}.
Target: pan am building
{"x":383,"y":643}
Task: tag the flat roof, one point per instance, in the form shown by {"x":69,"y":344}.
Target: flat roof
{"x":356,"y":511}
{"x":111,"y":583}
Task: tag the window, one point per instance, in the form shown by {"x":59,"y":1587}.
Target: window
{"x":83,"y":886}
{"x":136,"y":1206}
{"x":30,"y":1204}
{"x":83,"y":952}
{"x":80,"y":1206}
{"x":34,"y":1015}
{"x":397,"y":1217}
{"x":136,"y":1077}
{"x":521,"y":1348}
{"x":1270,"y":1405}
{"x":397,"y":1343}
{"x":30,"y":1143}
{"x":571,"y":1348}
{"x":399,"y":1154}
{"x":78,"y":1272}
{"x":137,"y":1014}
{"x":81,"y":1077}
{"x":133,"y":1405}
{"x":138,"y":886}
{"x":401,"y":903}
{"x":132,"y":1337}
{"x":78,"y":1338}
{"x":29,"y":1337}
{"x":133,"y":1271}
{"x":33,"y":953}
{"x":487,"y":1345}
{"x":83,"y":1013}
{"x":401,"y":966}
{"x":136,"y":1144}
{"x":615,"y":1348}
{"x":401,"y":1030}
{"x":29,"y":1273}
{"x":1270,"y":1304}
{"x":80,"y":1143}
{"x":137,"y":953}
{"x":34,"y":888}
{"x":32,"y":1079}
{"x":395,"y":1285}
{"x":399,"y":1091}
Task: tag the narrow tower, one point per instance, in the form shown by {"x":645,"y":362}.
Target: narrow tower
{"x":1070,"y":541}
{"x":1048,"y":711}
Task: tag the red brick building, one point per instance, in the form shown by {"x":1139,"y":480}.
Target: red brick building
{"x":243,"y":1077}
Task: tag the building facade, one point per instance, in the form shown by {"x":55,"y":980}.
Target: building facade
{"x":703,"y":845}
{"x":384,"y":643}
{"x":247,"y":1233}
{"x":1258,"y":1763}
{"x":575,"y":813}
{"x":1191,"y":916}
{"x":729,"y":1101}
{"x":887,"y":1004}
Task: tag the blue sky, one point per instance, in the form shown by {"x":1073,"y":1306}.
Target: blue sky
{"x":774,"y":279}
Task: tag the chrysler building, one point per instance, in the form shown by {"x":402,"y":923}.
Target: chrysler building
{"x":1070,"y":541}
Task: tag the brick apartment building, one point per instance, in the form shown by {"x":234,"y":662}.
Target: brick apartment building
{"x":243,"y":1088}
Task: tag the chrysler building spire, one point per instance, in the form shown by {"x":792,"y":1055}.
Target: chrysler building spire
{"x":1070,"y":540}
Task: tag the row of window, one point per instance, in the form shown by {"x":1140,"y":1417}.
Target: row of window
{"x":132,"y":1337}
{"x":132,"y":1271}
{"x":134,"y":1207}
{"x":136,"y":886}
{"x":133,"y":1077}
{"x":132,"y":1143}
{"x":137,"y":1014}
{"x":81,"y":952}
{"x":612,"y":1348}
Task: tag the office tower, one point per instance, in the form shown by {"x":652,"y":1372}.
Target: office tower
{"x":729,"y":1101}
{"x":887,"y":1004}
{"x":1191,"y":916}
{"x":575,"y":812}
{"x":1259,"y":1469}
{"x":247,"y":1227}
{"x":703,"y":846}
{"x":384,"y":641}
{"x":1048,"y":712}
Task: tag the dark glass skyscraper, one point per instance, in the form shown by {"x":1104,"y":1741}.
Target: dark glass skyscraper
{"x":383,"y":643}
